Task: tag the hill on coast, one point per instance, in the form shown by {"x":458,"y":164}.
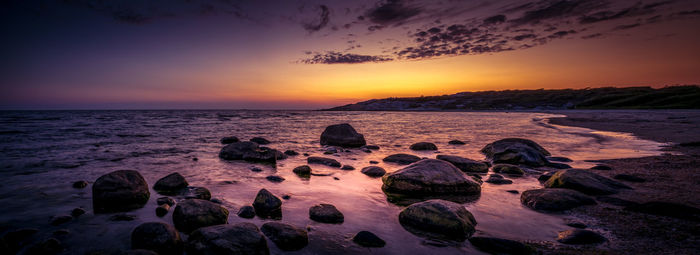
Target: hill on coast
{"x":672,"y":97}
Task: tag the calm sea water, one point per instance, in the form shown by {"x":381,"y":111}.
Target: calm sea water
{"x":42,"y":153}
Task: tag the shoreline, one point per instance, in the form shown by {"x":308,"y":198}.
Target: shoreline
{"x":668,"y":178}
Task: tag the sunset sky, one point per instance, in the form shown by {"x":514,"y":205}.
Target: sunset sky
{"x":82,"y":54}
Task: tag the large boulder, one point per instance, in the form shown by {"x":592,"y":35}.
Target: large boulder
{"x":401,"y":159}
{"x":438,"y":218}
{"x":285,"y":236}
{"x":554,"y":199}
{"x":119,"y":191}
{"x":465,"y":164}
{"x":171,"y":184}
{"x":267,"y":205}
{"x":238,"y":239}
{"x":323,"y":161}
{"x":326,"y":213}
{"x":342,"y":135}
{"x":423,"y":146}
{"x":516,"y":151}
{"x":584,"y":181}
{"x":192,"y":214}
{"x":430,"y":176}
{"x":250,"y":151}
{"x":156,"y":236}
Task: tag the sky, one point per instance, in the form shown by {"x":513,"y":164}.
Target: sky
{"x":299,"y":54}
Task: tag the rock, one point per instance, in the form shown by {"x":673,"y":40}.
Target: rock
{"x":247,"y":212}
{"x":516,"y":151}
{"x":465,"y":164}
{"x":368,"y":239}
{"x":285,"y":236}
{"x":291,"y":153}
{"x":162,"y":210}
{"x":347,"y":167}
{"x":60,"y":219}
{"x":250,"y":151}
{"x":306,"y":154}
{"x":286,"y":197}
{"x":558,"y":165}
{"x":373,"y":171}
{"x":629,"y":178}
{"x":580,"y":236}
{"x":371,"y":147}
{"x":342,"y":135}
{"x":77,"y":212}
{"x":171,"y":184}
{"x":560,"y":159}
{"x":195,"y":159}
{"x":165,"y":200}
{"x":48,"y":246}
{"x":438,"y":217}
{"x":237,"y":239}
{"x":326,"y":213}
{"x":122,"y":217}
{"x":331,"y":150}
{"x":508,"y":169}
{"x":430,"y":176}
{"x":119,"y":191}
{"x":196,"y":192}
{"x":373,"y":162}
{"x":260,"y":140}
{"x":601,"y":167}
{"x":423,"y":146}
{"x":323,"y":161}
{"x":456,"y":142}
{"x":494,"y":245}
{"x":674,"y":210}
{"x":256,"y":169}
{"x":157,"y":236}
{"x":336,"y":178}
{"x":544,"y":177}
{"x":192,"y":214}
{"x":584,"y":181}
{"x":401,"y":159}
{"x":497,"y":179}
{"x":275,"y":178}
{"x":229,"y":140}
{"x":512,"y":191}
{"x":267,"y":205}
{"x":80,"y":184}
{"x":553,"y":199}
{"x":365,"y":150}
{"x":303,"y":171}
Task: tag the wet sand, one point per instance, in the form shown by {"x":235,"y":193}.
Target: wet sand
{"x":671,"y":177}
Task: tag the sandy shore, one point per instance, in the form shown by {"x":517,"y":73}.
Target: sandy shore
{"x":671,"y":177}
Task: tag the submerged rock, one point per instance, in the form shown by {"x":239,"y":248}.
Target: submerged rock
{"x":260,"y":140}
{"x":157,"y":236}
{"x":494,"y":245}
{"x":285,"y":236}
{"x":554,"y":199}
{"x":275,"y":178}
{"x":516,"y":151}
{"x":465,"y":164}
{"x":430,"y":176}
{"x":326,"y":213}
{"x":584,"y":181}
{"x":291,"y":153}
{"x":250,"y":151}
{"x":497,"y":179}
{"x":347,"y":167}
{"x":323,"y":161}
{"x":580,"y":236}
{"x":229,"y":139}
{"x":247,"y":212}
{"x":401,"y":159}
{"x":371,"y":147}
{"x":80,"y":184}
{"x":373,"y":171}
{"x":456,"y":142}
{"x":192,"y":214}
{"x":171,"y":184}
{"x":440,"y":218}
{"x":122,"y":217}
{"x":342,"y":135}
{"x":508,"y":169}
{"x":423,"y":146}
{"x":119,"y":191}
{"x":267,"y":205}
{"x":368,"y":239}
{"x":237,"y":239}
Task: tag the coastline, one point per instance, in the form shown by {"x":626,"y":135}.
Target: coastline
{"x":668,"y":177}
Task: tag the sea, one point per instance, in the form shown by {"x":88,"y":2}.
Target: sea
{"x":43,"y":152}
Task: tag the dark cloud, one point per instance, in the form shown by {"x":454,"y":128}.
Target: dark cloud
{"x":628,"y":26}
{"x":391,"y":12}
{"x":322,"y":21}
{"x":559,"y":9}
{"x":561,"y":34}
{"x":333,"y":57}
{"x":591,"y":36}
{"x":495,"y":19}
